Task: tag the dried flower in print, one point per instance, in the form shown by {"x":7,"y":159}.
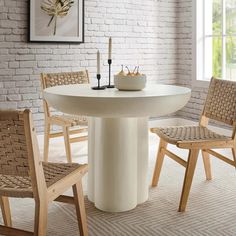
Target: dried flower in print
{"x":55,"y":8}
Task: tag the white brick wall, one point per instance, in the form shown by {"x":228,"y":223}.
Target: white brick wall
{"x":184,"y":31}
{"x":144,"y":33}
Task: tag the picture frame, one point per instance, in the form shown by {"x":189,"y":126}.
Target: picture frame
{"x":53,"y":21}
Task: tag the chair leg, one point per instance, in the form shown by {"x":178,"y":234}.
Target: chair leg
{"x":46,"y":141}
{"x":234,"y":154}
{"x":80,"y":208}
{"x":6,"y":212}
{"x":67,"y":144}
{"x":191,"y":165}
{"x":41,"y":218}
{"x":159,"y":162}
{"x":207,"y":164}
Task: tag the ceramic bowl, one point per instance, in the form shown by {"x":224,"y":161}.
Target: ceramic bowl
{"x":130,"y":83}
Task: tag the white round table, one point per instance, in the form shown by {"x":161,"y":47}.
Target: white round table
{"x":118,"y":137}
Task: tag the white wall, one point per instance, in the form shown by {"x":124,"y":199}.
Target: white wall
{"x":144,"y":33}
{"x":185,"y":45}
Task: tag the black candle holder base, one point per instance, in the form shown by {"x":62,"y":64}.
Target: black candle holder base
{"x":110,"y":86}
{"x":99,"y":88}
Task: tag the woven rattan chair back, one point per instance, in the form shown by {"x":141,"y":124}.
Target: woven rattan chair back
{"x":220,"y":104}
{"x":64,"y":78}
{"x":13,"y":146}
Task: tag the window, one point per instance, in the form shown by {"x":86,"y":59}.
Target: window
{"x":215,"y":39}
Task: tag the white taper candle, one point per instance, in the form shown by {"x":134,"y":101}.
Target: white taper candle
{"x":98,"y":62}
{"x":110,"y":48}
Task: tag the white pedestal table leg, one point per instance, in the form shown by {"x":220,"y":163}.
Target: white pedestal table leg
{"x":118,"y":163}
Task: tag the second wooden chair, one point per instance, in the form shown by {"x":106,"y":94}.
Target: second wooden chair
{"x":23,"y":175}
{"x":66,"y":122}
{"x":220,"y":106}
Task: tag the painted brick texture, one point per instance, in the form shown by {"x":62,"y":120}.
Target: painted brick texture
{"x":184,"y":51}
{"x":144,"y":33}
{"x":148,"y":33}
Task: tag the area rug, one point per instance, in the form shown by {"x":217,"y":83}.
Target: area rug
{"x":211,"y":209}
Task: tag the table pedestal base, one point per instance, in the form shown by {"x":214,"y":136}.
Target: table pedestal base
{"x":118,"y":163}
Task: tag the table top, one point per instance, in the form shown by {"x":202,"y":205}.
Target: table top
{"x":84,"y":90}
{"x":154,"y":100}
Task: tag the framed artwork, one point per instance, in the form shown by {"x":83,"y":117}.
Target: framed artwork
{"x":56,"y":21}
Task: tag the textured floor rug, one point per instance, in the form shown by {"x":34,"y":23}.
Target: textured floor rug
{"x":211,"y":208}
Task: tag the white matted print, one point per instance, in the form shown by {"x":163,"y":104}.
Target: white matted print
{"x":57,"y":21}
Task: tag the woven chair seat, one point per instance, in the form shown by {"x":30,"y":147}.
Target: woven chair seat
{"x":71,"y":120}
{"x":177,"y":134}
{"x":18,"y":186}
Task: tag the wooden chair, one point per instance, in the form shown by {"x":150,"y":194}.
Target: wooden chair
{"x":65,"y":121}
{"x":23,"y":175}
{"x":220,"y":106}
